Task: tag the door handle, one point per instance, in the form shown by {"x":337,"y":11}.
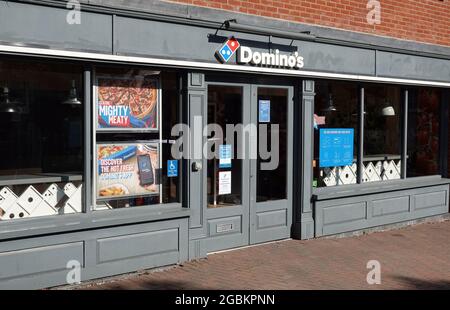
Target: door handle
{"x":196,"y":166}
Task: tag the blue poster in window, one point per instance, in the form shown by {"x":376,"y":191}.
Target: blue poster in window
{"x":264,"y":111}
{"x":336,"y":147}
{"x":172,"y":168}
{"x":225,"y":156}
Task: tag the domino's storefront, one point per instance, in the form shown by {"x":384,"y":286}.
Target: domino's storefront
{"x":150,"y":140}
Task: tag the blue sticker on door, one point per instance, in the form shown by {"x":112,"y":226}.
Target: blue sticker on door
{"x":172,"y":168}
{"x":264,"y":111}
{"x":225,"y":156}
{"x":336,"y":147}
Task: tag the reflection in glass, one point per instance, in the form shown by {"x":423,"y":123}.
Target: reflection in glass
{"x":224,"y":107}
{"x":41,"y":139}
{"x":272,"y":184}
{"x":382,"y":133}
{"x":336,"y":106}
{"x":423,"y":131}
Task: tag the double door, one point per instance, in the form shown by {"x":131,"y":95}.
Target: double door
{"x":249,"y":147}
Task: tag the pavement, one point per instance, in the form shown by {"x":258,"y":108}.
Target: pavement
{"x":415,"y":257}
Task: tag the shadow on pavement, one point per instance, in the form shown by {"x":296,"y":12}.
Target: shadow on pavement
{"x":146,"y":284}
{"x":420,"y":284}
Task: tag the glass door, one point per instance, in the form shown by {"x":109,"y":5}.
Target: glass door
{"x":249,"y":164}
{"x":271,"y":171}
{"x":227,"y":206}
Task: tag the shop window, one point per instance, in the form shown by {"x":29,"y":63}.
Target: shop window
{"x":335,"y":133}
{"x":41,"y":138}
{"x":424,"y":131}
{"x":385,"y":146}
{"x":382,"y":133}
{"x":135,"y":111}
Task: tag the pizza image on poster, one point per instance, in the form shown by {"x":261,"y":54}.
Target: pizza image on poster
{"x":127,"y":170}
{"x":127,"y":103}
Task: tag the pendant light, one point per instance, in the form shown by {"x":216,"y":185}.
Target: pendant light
{"x":72,"y":98}
{"x":387,"y":108}
{"x":330,"y":107}
{"x":7,"y":105}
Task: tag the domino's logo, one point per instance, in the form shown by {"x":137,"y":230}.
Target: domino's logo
{"x":228,"y":49}
{"x":270,"y":58}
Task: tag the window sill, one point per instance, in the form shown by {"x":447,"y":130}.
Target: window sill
{"x":30,"y":179}
{"x":342,"y":191}
{"x":34,"y":227}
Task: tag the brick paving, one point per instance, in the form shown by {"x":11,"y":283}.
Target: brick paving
{"x":415,"y":257}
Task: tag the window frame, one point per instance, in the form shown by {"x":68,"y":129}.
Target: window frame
{"x":406,"y":94}
{"x":88,"y":218}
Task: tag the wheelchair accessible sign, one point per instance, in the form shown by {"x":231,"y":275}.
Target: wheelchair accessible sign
{"x":172,"y":168}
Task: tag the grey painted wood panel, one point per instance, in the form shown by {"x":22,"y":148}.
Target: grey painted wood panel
{"x":40,"y":259}
{"x":134,"y":245}
{"x":430,"y":200}
{"x":340,"y":215}
{"x":47,"y":27}
{"x":344,"y":213}
{"x":337,"y":59}
{"x":413,"y":67}
{"x":384,"y":207}
{"x":271,"y":219}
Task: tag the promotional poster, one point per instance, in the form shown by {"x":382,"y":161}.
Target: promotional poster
{"x":127,"y":103}
{"x":126,"y":170}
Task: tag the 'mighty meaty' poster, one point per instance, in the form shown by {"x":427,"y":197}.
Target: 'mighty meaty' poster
{"x":127,"y":103}
{"x":127,"y":169}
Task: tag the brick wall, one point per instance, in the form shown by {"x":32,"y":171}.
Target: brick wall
{"x":418,"y":20}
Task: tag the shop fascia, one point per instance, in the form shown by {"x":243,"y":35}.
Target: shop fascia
{"x":245,"y":55}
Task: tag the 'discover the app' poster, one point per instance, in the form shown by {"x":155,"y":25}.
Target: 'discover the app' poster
{"x":127,"y":170}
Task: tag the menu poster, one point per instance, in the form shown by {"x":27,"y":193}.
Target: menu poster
{"x":127,"y":103}
{"x":127,"y":170}
{"x":336,"y":147}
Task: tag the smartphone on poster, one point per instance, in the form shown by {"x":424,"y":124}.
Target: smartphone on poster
{"x":145,"y":170}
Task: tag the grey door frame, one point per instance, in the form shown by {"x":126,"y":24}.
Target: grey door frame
{"x":272,"y":209}
{"x":214,"y":241}
{"x":249,"y":209}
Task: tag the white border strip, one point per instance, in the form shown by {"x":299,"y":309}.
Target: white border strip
{"x":208,"y":66}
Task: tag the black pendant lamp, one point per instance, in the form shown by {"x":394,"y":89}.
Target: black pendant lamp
{"x":330,"y":107}
{"x":72,"y":99}
{"x":7,"y":105}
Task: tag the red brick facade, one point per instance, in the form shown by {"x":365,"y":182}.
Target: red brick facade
{"x":425,"y":21}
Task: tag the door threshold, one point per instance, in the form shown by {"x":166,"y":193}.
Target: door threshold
{"x":248,"y":246}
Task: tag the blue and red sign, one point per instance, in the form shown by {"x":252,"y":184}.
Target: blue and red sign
{"x":228,"y":49}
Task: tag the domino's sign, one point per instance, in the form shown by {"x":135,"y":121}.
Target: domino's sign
{"x":245,"y":55}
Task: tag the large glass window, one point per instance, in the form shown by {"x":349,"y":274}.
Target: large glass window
{"x":382,"y":133}
{"x":424,"y":131}
{"x":337,"y":127}
{"x":136,"y":109}
{"x":41,"y":138}
{"x":335,"y":117}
